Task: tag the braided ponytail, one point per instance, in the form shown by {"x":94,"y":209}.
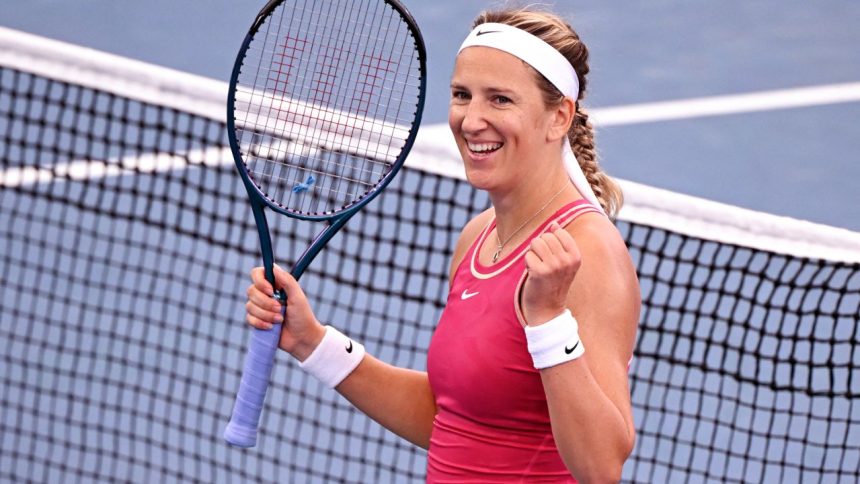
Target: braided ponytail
{"x":581,"y":136}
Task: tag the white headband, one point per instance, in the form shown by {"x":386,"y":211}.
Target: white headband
{"x":534,"y":51}
{"x":545,"y":59}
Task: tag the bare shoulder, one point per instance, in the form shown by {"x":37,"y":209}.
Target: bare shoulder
{"x":604,"y":253}
{"x":595,"y":232}
{"x":605,"y":294}
{"x":467,"y":236}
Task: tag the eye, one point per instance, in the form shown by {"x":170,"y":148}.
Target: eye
{"x":499,"y":99}
{"x":460,"y":95}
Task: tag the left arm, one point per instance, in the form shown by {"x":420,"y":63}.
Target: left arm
{"x":588,"y":398}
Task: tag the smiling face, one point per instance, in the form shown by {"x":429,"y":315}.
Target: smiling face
{"x":505,"y":133}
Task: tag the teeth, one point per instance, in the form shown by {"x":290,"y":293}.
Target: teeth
{"x":482,"y":147}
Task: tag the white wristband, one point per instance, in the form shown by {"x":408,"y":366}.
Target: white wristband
{"x":334,"y":358}
{"x":555,"y":341}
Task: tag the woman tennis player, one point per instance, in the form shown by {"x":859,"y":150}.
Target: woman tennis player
{"x":527,"y":370}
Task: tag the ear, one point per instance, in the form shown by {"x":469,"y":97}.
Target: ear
{"x":562,"y":117}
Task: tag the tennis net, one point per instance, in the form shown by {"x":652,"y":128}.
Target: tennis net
{"x":126,"y":240}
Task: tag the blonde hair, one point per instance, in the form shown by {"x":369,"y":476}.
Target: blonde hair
{"x":553,"y":30}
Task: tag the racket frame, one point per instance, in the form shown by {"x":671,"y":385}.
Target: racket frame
{"x":244,"y":435}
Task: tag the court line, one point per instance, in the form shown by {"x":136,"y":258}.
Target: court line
{"x":729,"y":104}
{"x":80,"y":170}
{"x":433,"y":142}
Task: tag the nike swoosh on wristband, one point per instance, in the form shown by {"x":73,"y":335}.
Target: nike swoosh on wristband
{"x":569,"y":351}
{"x":466,"y":294}
{"x":482,"y":32}
{"x":349,"y":348}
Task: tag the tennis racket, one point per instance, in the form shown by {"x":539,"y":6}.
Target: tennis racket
{"x":324,"y":104}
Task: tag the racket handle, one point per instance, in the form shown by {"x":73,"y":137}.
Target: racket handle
{"x":242,"y":429}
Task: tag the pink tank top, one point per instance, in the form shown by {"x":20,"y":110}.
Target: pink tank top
{"x":492,"y":422}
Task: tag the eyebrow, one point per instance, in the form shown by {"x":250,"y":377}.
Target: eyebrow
{"x":489,"y":90}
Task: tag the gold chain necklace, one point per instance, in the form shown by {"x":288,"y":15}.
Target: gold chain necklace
{"x":508,"y":239}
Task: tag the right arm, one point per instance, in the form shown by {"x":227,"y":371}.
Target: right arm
{"x":399,"y":399}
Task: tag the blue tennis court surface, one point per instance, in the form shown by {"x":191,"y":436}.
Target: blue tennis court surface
{"x":796,"y":162}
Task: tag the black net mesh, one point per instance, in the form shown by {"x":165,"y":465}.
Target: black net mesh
{"x":126,"y":242}
{"x":747,"y":364}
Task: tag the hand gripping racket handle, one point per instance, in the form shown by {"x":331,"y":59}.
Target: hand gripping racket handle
{"x":242,"y":429}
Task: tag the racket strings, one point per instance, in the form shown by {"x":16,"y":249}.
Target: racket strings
{"x":342,"y":78}
{"x":307,"y":115}
{"x":363,"y":173}
{"x":362,"y":74}
{"x":294,"y":183}
{"x":273,"y":153}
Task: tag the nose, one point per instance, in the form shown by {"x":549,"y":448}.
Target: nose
{"x":474,"y":118}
